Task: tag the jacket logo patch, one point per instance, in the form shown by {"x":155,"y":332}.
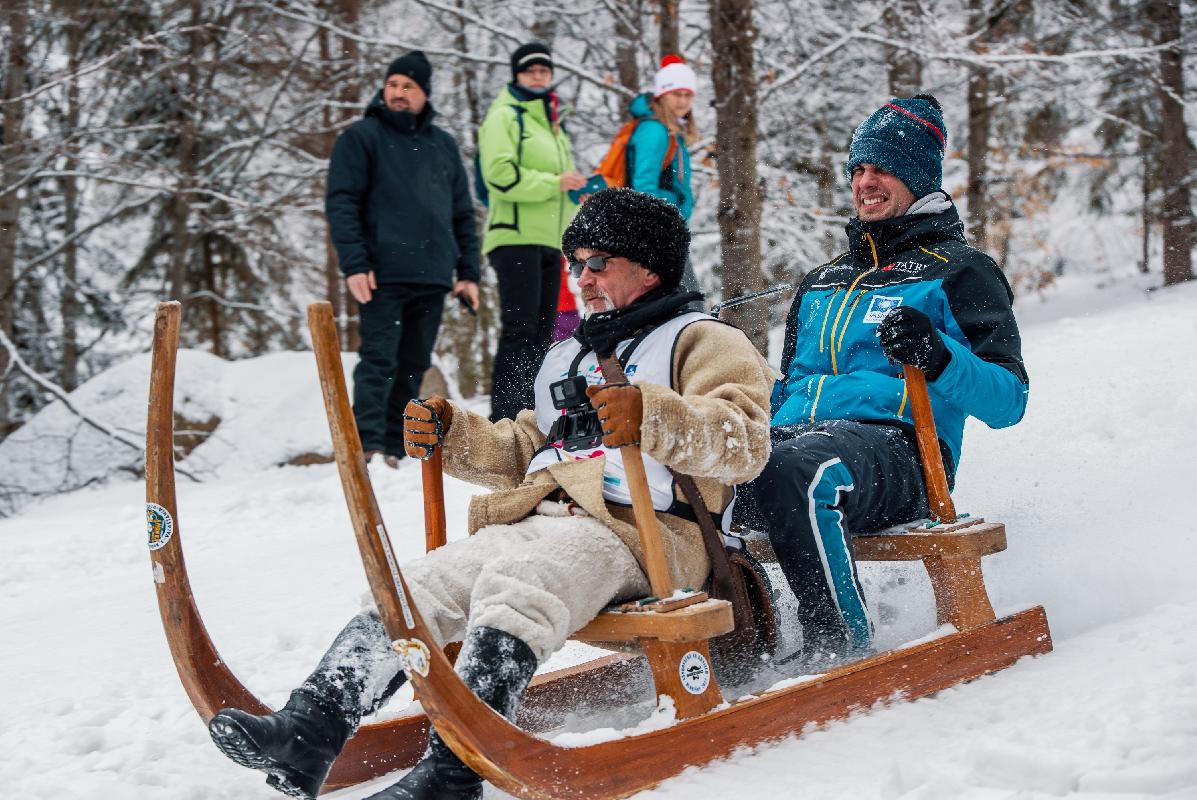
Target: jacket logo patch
{"x":879,"y":306}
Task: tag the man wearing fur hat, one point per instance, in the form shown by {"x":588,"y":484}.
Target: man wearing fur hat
{"x":555,"y":541}
{"x":909,"y":290}
{"x":401,"y":217}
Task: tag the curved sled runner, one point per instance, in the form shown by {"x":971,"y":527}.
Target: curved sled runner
{"x":376,"y":749}
{"x":531,"y":767}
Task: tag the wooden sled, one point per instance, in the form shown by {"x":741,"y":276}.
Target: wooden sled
{"x":708,"y":728}
{"x":376,"y":749}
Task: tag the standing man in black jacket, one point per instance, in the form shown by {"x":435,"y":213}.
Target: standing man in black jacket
{"x":401,"y":217}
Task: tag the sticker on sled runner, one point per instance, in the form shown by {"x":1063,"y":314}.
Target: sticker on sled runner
{"x":158,"y":525}
{"x":695,"y":672}
{"x":414,"y":655}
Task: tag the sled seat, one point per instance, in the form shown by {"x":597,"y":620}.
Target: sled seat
{"x":688,"y":624}
{"x":676,"y":644}
{"x":951,"y":554}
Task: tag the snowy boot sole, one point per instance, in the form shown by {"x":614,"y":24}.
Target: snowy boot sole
{"x":237,"y":743}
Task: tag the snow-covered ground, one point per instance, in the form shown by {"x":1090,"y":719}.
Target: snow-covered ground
{"x":1094,"y":486}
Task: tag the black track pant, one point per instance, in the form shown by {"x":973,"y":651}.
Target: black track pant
{"x":823,"y":482}
{"x":529,"y":281}
{"x":398,"y":331}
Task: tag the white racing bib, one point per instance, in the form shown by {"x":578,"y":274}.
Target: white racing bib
{"x":651,"y":362}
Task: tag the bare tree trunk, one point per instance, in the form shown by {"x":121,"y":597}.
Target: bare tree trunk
{"x":12,"y":151}
{"x":341,"y":86}
{"x":1145,"y":156}
{"x":1177,"y":211}
{"x":180,"y":236}
{"x":71,"y":308}
{"x":734,"y":78}
{"x":669,"y":38}
{"x":905,"y":68}
{"x":627,"y":35}
{"x":979,"y":118}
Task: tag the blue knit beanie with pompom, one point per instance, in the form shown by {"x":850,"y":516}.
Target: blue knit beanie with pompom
{"x":905,"y":137}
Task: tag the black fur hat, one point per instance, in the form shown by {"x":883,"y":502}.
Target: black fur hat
{"x":635,"y":225}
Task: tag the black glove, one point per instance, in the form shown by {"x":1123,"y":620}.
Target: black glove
{"x":908,"y":337}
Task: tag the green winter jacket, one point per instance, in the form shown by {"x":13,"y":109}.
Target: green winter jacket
{"x":527,"y":205}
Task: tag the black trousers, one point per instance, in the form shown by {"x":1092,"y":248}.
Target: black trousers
{"x":398,"y":331}
{"x":823,"y":482}
{"x":529,"y":281}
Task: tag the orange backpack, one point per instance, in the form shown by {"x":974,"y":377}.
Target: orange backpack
{"x":614,"y":166}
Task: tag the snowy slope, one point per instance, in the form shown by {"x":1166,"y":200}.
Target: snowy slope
{"x":1093,"y":486}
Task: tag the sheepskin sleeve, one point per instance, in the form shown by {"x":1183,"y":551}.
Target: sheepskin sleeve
{"x":714,"y":423}
{"x":490,"y":454}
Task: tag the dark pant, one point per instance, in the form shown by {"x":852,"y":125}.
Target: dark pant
{"x":529,"y":281}
{"x":398,"y":330}
{"x":823,"y":482}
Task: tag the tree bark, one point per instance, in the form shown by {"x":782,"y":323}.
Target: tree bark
{"x":70,"y":306}
{"x":1177,"y":211}
{"x":733,"y":74}
{"x":627,"y":38}
{"x":905,"y":68}
{"x":12,"y":153}
{"x":669,"y":38}
{"x":188,"y":89}
{"x":979,"y":119}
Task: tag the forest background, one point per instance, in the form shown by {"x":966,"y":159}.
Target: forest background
{"x":179,"y":148}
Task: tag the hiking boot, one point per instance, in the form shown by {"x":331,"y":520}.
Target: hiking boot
{"x":497,"y":667}
{"x":371,"y":454}
{"x":295,"y":746}
{"x":392,"y":460}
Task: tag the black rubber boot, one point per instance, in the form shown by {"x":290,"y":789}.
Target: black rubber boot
{"x":295,"y":746}
{"x":497,"y":667}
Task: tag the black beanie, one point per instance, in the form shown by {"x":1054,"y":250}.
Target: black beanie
{"x":413,"y":65}
{"x":635,"y":225}
{"x":529,"y":55}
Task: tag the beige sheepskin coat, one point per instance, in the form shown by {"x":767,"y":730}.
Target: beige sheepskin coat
{"x":714,"y":426}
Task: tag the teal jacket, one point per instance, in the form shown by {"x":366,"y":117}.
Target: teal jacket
{"x":833,"y":362}
{"x":527,"y":205}
{"x":647,"y":149}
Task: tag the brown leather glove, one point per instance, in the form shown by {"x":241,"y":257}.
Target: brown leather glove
{"x":425,"y":423}
{"x":620,"y":408}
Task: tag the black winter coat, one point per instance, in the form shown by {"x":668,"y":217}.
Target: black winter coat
{"x":398,"y":200}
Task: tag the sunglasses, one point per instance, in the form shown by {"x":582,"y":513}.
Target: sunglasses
{"x":594,"y":263}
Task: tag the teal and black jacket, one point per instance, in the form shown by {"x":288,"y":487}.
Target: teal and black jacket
{"x":833,"y":363}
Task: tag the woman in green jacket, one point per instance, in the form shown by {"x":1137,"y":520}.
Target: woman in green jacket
{"x":526,"y":162}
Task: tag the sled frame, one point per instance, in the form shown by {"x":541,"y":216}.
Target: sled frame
{"x":375,"y":749}
{"x":527,"y":766}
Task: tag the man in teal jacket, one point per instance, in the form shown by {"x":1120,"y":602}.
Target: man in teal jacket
{"x":908,"y":290}
{"x":401,"y":217}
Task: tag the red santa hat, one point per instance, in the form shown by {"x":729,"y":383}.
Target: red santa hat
{"x":674,"y":75}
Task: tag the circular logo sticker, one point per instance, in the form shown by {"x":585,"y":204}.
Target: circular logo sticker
{"x":158,"y":525}
{"x":414,"y":655}
{"x":695,"y":672}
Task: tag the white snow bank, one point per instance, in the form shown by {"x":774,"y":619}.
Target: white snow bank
{"x":1094,"y":487}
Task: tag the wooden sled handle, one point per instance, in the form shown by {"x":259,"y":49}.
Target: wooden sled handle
{"x":432,"y":472}
{"x":934,"y":475}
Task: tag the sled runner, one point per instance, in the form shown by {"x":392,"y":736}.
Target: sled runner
{"x":377,"y":748}
{"x":708,"y":725}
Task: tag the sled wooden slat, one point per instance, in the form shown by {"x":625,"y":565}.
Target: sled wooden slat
{"x":979,"y":540}
{"x":688,"y":624}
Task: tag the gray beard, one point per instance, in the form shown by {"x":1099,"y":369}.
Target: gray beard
{"x":586,"y":311}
